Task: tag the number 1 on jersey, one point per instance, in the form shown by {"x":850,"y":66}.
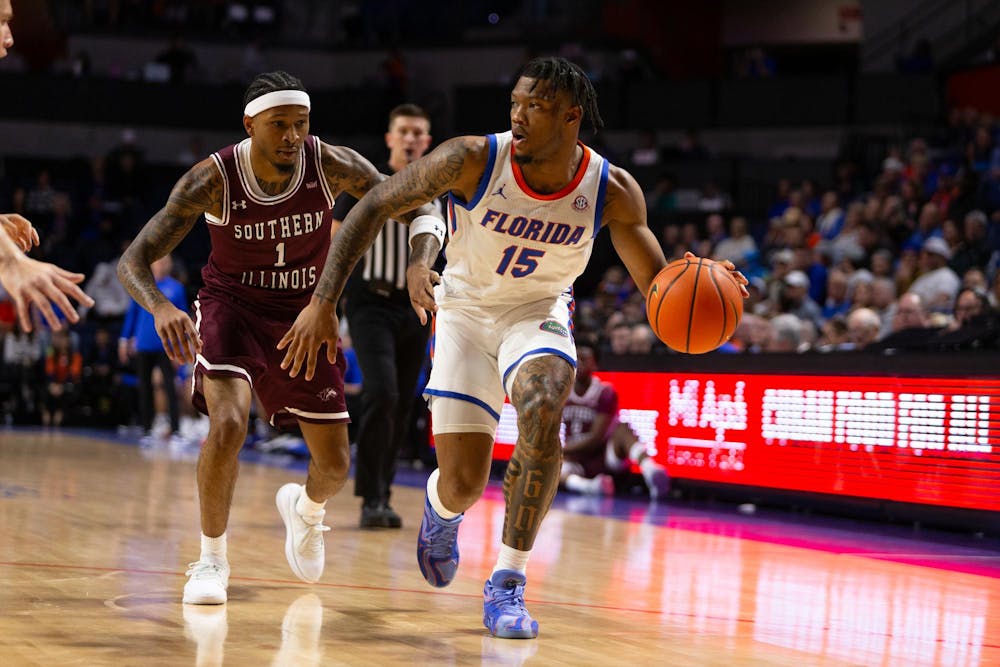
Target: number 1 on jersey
{"x":526,"y":263}
{"x":280,"y":248}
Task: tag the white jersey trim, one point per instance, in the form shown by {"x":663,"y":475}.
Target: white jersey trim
{"x":318,"y":158}
{"x":224,"y":220}
{"x":317,"y":415}
{"x":244,"y":169}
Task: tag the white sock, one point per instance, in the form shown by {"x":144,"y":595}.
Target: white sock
{"x":435,"y":499}
{"x":306,"y":506}
{"x":213,"y":548}
{"x":578,"y":484}
{"x":511,"y":559}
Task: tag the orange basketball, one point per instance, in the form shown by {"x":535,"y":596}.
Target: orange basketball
{"x":694,"y":305}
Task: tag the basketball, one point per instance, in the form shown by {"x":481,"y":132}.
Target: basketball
{"x":694,"y":305}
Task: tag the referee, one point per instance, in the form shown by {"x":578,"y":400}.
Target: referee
{"x":387,"y":336}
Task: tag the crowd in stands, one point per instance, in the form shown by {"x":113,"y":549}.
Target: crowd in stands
{"x":910,"y":260}
{"x":907,"y":256}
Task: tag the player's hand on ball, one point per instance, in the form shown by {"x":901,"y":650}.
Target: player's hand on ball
{"x":741,"y":279}
{"x":420,"y":281}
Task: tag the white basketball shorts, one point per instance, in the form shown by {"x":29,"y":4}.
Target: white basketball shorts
{"x":478,"y":351}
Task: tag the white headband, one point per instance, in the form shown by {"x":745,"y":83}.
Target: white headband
{"x":278,"y":98}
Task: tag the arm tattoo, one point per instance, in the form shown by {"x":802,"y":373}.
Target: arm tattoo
{"x":417,"y":184}
{"x":532,"y":476}
{"x":198,"y":191}
{"x":425,"y":249}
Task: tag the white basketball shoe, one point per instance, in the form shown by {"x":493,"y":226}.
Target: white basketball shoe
{"x":208,"y":582}
{"x":304,"y":547}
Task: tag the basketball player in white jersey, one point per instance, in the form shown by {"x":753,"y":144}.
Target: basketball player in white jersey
{"x":524,"y":208}
{"x":29,"y":281}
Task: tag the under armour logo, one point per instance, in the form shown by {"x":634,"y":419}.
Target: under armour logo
{"x":500,"y":191}
{"x":240,"y":204}
{"x":327,"y":394}
{"x":311,"y":184}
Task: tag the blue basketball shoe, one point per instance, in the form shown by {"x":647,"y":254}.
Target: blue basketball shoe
{"x":437,"y":547}
{"x":504,"y":614}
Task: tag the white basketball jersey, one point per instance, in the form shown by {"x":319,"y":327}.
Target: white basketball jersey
{"x":510,"y":245}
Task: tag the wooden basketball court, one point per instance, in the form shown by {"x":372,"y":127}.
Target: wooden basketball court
{"x":96,"y":536}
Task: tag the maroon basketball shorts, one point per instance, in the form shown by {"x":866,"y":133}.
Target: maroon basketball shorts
{"x":238,"y":341}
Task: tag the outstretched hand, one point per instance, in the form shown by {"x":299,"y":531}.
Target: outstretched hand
{"x":420,"y":282}
{"x":29,"y":281}
{"x":314,"y":326}
{"x":741,"y":279}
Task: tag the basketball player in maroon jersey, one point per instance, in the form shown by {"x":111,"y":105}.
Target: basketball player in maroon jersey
{"x":598,"y":446}
{"x":27,"y":280}
{"x":268,"y":204}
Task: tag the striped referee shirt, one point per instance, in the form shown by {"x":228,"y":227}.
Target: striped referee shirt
{"x":388,"y":257}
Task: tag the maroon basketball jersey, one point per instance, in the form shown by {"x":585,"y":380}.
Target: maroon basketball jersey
{"x":268,"y":250}
{"x":579,"y":412}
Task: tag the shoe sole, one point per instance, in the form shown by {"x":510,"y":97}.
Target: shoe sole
{"x":203,"y":600}
{"x":286,"y":506}
{"x":506,"y":633}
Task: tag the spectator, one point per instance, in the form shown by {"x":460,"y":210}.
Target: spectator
{"x":738,"y":247}
{"x":910,"y":313}
{"x":787,"y":335}
{"x":111,"y":301}
{"x":937,"y":284}
{"x":795,"y":298}
{"x":22,"y":352}
{"x":102,"y":391}
{"x":620,"y":339}
{"x":63,"y":372}
{"x":139,"y":338}
{"x":833,"y":336}
{"x":837,"y":302}
{"x":973,"y":250}
{"x":969,"y":304}
{"x":830,"y":220}
{"x":863,"y":328}
{"x":642,"y":340}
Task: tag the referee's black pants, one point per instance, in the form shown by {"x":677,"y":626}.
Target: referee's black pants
{"x":390,"y":343}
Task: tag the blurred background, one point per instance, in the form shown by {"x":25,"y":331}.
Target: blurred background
{"x":837,"y":151}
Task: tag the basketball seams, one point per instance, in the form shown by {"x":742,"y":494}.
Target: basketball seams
{"x":702,"y":323}
{"x":659,"y":304}
{"x":722,"y":301}
{"x":694,"y":299}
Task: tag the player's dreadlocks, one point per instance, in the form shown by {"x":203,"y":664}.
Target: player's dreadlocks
{"x":565,"y":75}
{"x":269,"y":82}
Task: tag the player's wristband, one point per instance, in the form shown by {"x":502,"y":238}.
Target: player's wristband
{"x":427,"y":224}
